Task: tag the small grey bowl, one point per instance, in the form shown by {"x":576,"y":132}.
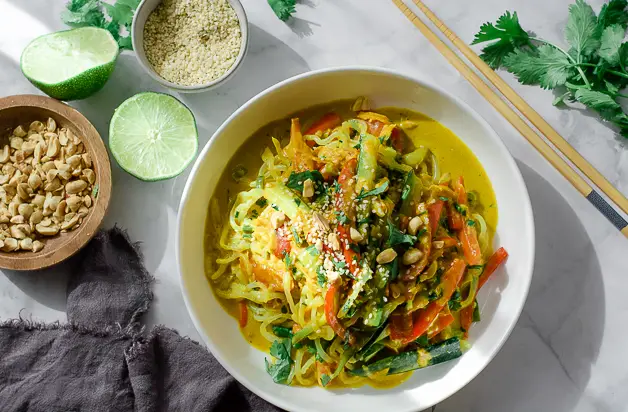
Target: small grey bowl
{"x":144,"y":10}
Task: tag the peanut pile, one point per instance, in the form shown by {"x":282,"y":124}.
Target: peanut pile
{"x":46,"y":185}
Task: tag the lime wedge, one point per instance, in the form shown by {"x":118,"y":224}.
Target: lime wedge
{"x":71,"y":64}
{"x":153,"y":136}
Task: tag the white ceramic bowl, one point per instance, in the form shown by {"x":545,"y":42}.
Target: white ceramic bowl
{"x":501,"y":300}
{"x":145,"y":8}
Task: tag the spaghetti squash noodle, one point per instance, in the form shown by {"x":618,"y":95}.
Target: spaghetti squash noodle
{"x":356,"y":250}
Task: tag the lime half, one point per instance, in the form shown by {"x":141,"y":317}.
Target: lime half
{"x":71,"y":64}
{"x":153,"y":136}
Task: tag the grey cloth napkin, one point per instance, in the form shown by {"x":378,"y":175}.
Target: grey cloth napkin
{"x":102,"y":359}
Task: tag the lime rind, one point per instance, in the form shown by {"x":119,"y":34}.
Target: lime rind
{"x":153,"y":136}
{"x":70,"y":64}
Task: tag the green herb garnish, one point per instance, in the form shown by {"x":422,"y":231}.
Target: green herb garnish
{"x":85,"y":13}
{"x":296,"y":236}
{"x":592,"y":70}
{"x":238,"y":173}
{"x":396,"y":237}
{"x":280,"y":369}
{"x":377,"y":191}
{"x":283,"y":8}
{"x":282,"y":331}
{"x":295,"y":180}
{"x":454,"y":301}
{"x":342,"y":218}
{"x":407,"y":186}
{"x":321,"y":277}
{"x":460,"y":209}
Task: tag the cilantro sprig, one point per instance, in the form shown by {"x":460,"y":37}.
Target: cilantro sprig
{"x":283,"y":8}
{"x":116,"y":17}
{"x":280,"y":369}
{"x":591,"y":70}
{"x":375,"y":192}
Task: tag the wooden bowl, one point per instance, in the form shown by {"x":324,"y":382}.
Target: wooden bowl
{"x":23,"y":109}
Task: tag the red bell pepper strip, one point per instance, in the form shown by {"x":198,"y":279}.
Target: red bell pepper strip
{"x":461,"y":193}
{"x":397,"y":140}
{"x":493,"y":263}
{"x":347,"y":183}
{"x":447,"y":241}
{"x":351,"y":256}
{"x":400,"y":324}
{"x":423,"y":318}
{"x":283,"y":242}
{"x":454,"y":218}
{"x":244,"y":313}
{"x":375,"y":127}
{"x":470,"y":245}
{"x":496,"y":259}
{"x":331,"y":312}
{"x":467,"y":234}
{"x":328,"y":121}
{"x":466,"y":318}
{"x":444,"y":319}
{"x":434,"y":211}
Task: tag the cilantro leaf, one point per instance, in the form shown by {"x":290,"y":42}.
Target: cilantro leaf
{"x":548,"y":68}
{"x":611,"y":87}
{"x":422,"y":341}
{"x":341,"y":218}
{"x":295,"y":180}
{"x":476,"y":311}
{"x":321,"y":277}
{"x":325,"y":379}
{"x":130,"y":3}
{"x":119,"y":13}
{"x":82,"y":13}
{"x":623,"y":55}
{"x":377,"y":191}
{"x":280,"y":369}
{"x":396,"y":237}
{"x":283,"y":8}
{"x":407,"y":185}
{"x":581,"y":31}
{"x":604,"y":104}
{"x":614,"y":12}
{"x":125,"y":43}
{"x":454,"y":301}
{"x":610,"y":43}
{"x":312,"y":250}
{"x":282,"y":331}
{"x":295,"y":234}
{"x":393,"y":268}
{"x":509,"y":36}
{"x":89,"y":13}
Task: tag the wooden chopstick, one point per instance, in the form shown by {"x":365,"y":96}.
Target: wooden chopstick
{"x":532,"y":115}
{"x":518,"y":123}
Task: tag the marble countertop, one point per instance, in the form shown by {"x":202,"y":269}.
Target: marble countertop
{"x":567,"y":352}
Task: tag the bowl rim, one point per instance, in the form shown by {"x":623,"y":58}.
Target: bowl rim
{"x":140,"y":54}
{"x":76,"y":239}
{"x":528,"y":216}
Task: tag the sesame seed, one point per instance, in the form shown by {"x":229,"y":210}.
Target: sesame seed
{"x":192,"y":42}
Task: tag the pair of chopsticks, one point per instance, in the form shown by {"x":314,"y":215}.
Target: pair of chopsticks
{"x":528,"y":113}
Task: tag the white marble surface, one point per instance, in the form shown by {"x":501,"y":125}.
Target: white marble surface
{"x":567,"y":352}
